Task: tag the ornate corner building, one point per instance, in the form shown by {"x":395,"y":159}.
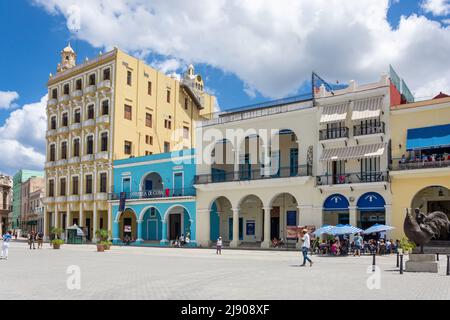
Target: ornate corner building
{"x":109,"y":108}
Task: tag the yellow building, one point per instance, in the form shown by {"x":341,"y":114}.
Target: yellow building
{"x":111,"y":107}
{"x":420,"y":168}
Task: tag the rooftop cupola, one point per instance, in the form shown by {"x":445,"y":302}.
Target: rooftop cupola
{"x":68,"y":59}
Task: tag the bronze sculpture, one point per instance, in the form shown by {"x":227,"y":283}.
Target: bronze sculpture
{"x":422,"y":228}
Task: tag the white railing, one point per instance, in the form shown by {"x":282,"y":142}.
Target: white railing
{"x":77,"y":94}
{"x":87,"y":197}
{"x":52,"y":102}
{"x":64,"y":98}
{"x":91,"y":90}
{"x":102,"y":196}
{"x":103,"y":119}
{"x":88,"y":157}
{"x":50,"y":164}
{"x":63,"y":130}
{"x":89,"y":123}
{"x":61,"y":199}
{"x":106,"y":84}
{"x":75,"y":126}
{"x":74,"y":160}
{"x":50,"y":133}
{"x":101,"y":155}
{"x":61,"y":162}
{"x":73,"y":198}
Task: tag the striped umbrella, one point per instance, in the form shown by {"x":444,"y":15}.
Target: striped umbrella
{"x":341,"y":229}
{"x":323,"y":230}
{"x":378,"y":228}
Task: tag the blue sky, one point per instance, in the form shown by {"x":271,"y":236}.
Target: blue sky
{"x":238,"y":72}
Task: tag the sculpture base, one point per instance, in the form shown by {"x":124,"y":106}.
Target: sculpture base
{"x":422,"y":263}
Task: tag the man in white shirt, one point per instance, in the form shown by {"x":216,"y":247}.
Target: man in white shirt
{"x":305,"y":247}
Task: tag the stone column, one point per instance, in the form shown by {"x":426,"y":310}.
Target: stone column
{"x":110,"y":218}
{"x":139,"y":239}
{"x":68,"y":216}
{"x":204,"y":227}
{"x":267,"y":240}
{"x":115,"y":232}
{"x":388,"y":219}
{"x":46,"y":221}
{"x":353,"y":216}
{"x":235,"y":242}
{"x":95,"y":223}
{"x":164,"y":239}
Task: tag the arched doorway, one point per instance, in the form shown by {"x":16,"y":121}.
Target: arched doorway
{"x":371,"y":210}
{"x":335,"y":210}
{"x":151,"y":225}
{"x":251,"y":158}
{"x":178,"y":221}
{"x":152,"y":186}
{"x":128,"y":225}
{"x":220,"y":213}
{"x":251,"y":220}
{"x":284,"y":214}
{"x":433,"y":198}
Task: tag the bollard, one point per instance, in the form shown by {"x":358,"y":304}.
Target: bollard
{"x":398,"y":259}
{"x":437,"y":256}
{"x":373,"y":262}
{"x":401,"y":263}
{"x":448,"y":265}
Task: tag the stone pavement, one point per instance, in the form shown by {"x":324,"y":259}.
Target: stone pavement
{"x":169,"y":273}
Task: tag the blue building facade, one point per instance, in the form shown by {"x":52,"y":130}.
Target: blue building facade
{"x":153,"y":201}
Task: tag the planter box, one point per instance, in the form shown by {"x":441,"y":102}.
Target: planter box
{"x":100,"y":248}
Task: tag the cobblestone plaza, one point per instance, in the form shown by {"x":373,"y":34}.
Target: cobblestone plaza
{"x":168,"y":273}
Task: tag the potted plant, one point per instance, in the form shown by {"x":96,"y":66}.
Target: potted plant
{"x":57,"y":242}
{"x":407,"y":246}
{"x":103,"y":237}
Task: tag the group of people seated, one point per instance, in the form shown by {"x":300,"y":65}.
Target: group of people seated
{"x":181,"y":241}
{"x":128,"y":240}
{"x":277,"y":243}
{"x":342,"y":247}
{"x":425,"y":158}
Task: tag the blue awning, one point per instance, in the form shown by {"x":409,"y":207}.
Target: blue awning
{"x":371,"y":201}
{"x":428,"y":137}
{"x":336,"y":202}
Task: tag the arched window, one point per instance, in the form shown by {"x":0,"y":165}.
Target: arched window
{"x":76,"y":147}
{"x":90,"y":145}
{"x":104,"y":142}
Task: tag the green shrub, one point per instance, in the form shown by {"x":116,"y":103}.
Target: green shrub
{"x":58,"y":241}
{"x":407,"y":245}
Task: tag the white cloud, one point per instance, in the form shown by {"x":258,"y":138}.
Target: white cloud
{"x":436,"y":7}
{"x":7,"y":98}
{"x":22,"y":138}
{"x":167,"y":66}
{"x":271,"y":45}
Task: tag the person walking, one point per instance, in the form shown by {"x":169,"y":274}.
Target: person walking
{"x":358,"y":245}
{"x":219,"y":246}
{"x":305,"y":247}
{"x":32,"y":240}
{"x":40,"y":239}
{"x":5,"y":246}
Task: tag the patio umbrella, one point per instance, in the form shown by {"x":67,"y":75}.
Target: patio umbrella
{"x":341,"y":229}
{"x":323,"y":230}
{"x":376,"y":228}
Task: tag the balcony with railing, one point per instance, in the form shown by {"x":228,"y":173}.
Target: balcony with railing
{"x":52,"y":102}
{"x":362,"y":130}
{"x":89,"y":123}
{"x":50,"y":164}
{"x":424,"y":163}
{"x":349,"y":178}
{"x":102,"y":155}
{"x":153,"y":194}
{"x":74,"y":160}
{"x":87,"y":157}
{"x":334,"y":133}
{"x":64,"y":99}
{"x":91,"y":90}
{"x":61,"y":162}
{"x":62,"y":130}
{"x":51,"y":133}
{"x":104,"y":85}
{"x":75,"y":126}
{"x":103,"y":119}
{"x":77,"y":95}
{"x":250,"y":175}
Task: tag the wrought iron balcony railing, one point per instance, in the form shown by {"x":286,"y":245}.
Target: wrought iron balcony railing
{"x":399,"y":164}
{"x":361,"y":130}
{"x":335,"y":133}
{"x":348,"y":178}
{"x":246,"y":174}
